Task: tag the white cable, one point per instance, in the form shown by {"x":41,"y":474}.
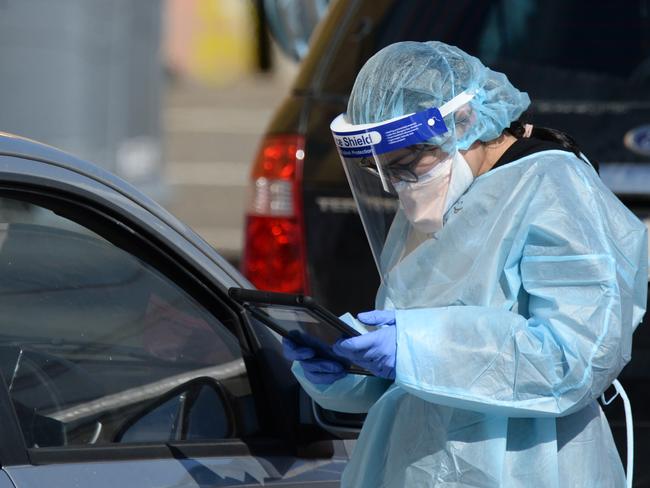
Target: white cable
{"x":629,"y":429}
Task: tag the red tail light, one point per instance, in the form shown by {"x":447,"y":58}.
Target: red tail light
{"x":274,"y":252}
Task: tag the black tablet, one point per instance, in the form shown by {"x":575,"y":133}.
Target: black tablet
{"x":299,"y":318}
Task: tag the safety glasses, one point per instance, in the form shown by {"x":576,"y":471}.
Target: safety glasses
{"x":411,"y":165}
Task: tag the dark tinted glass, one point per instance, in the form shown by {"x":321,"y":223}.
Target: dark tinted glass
{"x":581,"y":35}
{"x":457,"y":22}
{"x":91,"y":337}
{"x":602,"y":36}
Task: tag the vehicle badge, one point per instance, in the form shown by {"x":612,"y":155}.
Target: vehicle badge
{"x":637,"y":140}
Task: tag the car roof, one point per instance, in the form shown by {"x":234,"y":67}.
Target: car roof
{"x":21,"y":147}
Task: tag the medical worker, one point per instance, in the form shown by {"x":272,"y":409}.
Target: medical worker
{"x":512,"y":280}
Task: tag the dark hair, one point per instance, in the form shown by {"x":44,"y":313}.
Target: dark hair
{"x":517,"y":129}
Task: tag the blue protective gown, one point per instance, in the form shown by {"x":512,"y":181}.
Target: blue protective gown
{"x":509,"y":326}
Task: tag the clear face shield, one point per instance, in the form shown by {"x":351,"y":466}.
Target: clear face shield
{"x":397,"y":166}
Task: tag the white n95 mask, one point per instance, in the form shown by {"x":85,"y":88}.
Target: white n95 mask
{"x":426,"y":201}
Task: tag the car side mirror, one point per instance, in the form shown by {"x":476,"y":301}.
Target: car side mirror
{"x":197,"y":410}
{"x":292,"y":22}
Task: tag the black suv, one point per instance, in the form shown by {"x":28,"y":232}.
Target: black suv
{"x":585,"y":65}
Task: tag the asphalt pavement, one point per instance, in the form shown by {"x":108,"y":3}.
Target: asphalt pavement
{"x":211,"y":135}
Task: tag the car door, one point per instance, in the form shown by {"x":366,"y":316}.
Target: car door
{"x":123,"y":361}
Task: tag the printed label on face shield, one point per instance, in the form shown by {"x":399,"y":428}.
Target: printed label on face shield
{"x":358,"y":140}
{"x":390,"y":136}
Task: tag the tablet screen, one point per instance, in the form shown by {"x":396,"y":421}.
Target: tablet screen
{"x":299,"y":318}
{"x":303,"y":325}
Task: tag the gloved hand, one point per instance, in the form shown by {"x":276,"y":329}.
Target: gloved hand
{"x":377,"y":317}
{"x":374,"y":351}
{"x":317,"y":370}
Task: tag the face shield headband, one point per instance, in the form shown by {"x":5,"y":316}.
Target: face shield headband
{"x":372,"y":140}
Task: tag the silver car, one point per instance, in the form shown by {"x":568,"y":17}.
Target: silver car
{"x":123,"y":362}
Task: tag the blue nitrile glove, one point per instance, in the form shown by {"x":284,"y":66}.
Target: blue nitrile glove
{"x":317,"y":370}
{"x":377,"y":317}
{"x":374,"y":351}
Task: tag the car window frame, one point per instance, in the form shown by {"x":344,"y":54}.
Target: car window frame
{"x":177,"y":269}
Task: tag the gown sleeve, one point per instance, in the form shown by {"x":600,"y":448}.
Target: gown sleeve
{"x":582,"y":265}
{"x":352,"y":394}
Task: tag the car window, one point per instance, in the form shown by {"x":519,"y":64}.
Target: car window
{"x":97,"y":346}
{"x":602,"y":37}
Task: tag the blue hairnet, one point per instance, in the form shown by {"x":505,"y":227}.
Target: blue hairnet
{"x":408,"y":77}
